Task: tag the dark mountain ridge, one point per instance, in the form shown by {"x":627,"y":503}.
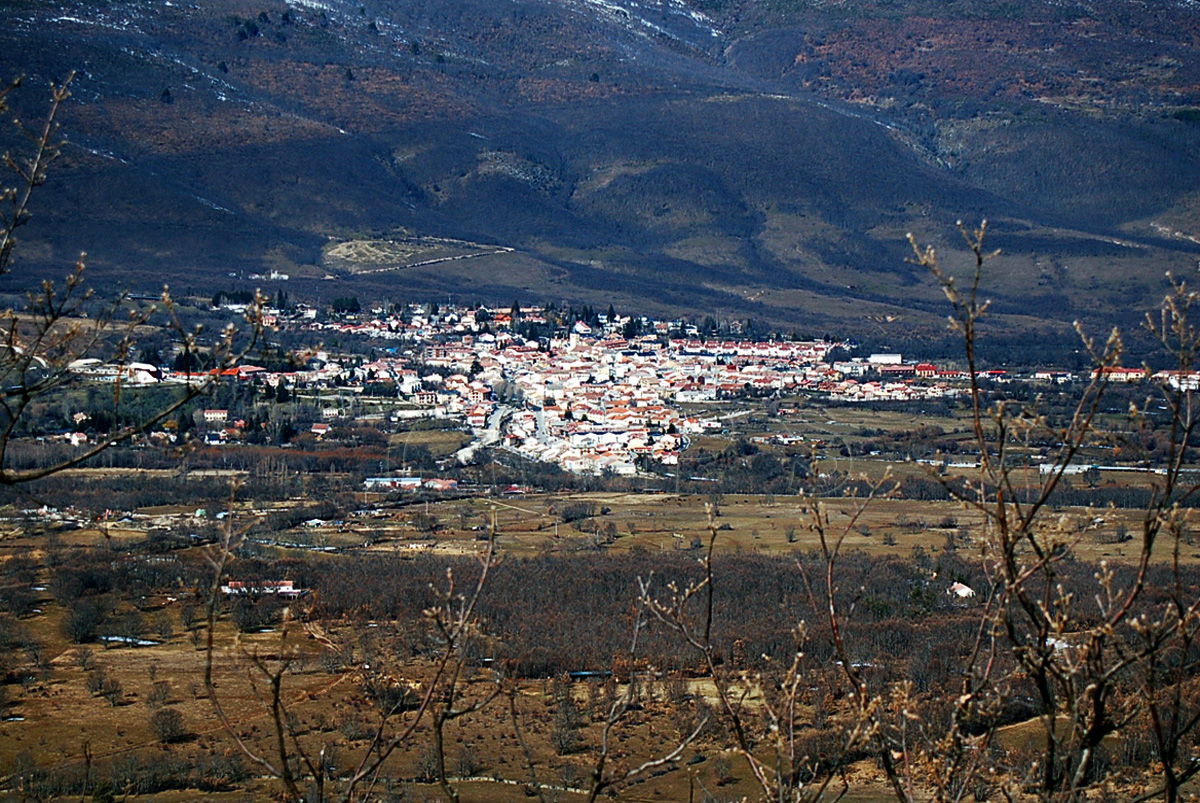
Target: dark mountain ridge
{"x":741,"y":159}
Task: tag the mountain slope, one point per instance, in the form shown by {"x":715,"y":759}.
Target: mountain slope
{"x":743,"y":159}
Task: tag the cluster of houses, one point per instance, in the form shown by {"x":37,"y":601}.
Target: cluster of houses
{"x":589,"y":399}
{"x":600,"y":403}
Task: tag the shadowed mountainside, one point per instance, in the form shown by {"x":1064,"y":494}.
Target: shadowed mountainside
{"x":751,"y":160}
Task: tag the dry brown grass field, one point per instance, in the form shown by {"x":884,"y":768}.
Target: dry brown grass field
{"x":746,"y":523}
{"x":439,"y":442}
{"x":59,"y":726}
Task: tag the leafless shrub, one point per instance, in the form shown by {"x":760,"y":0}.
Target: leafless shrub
{"x":112,"y":690}
{"x":85,"y":659}
{"x":159,"y":695}
{"x":167,"y":724}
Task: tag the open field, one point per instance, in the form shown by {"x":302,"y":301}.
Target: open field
{"x":773,"y":525}
{"x":439,"y":442}
{"x":646,"y":522}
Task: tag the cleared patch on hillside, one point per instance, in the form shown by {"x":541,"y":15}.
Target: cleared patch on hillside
{"x":378,"y":256}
